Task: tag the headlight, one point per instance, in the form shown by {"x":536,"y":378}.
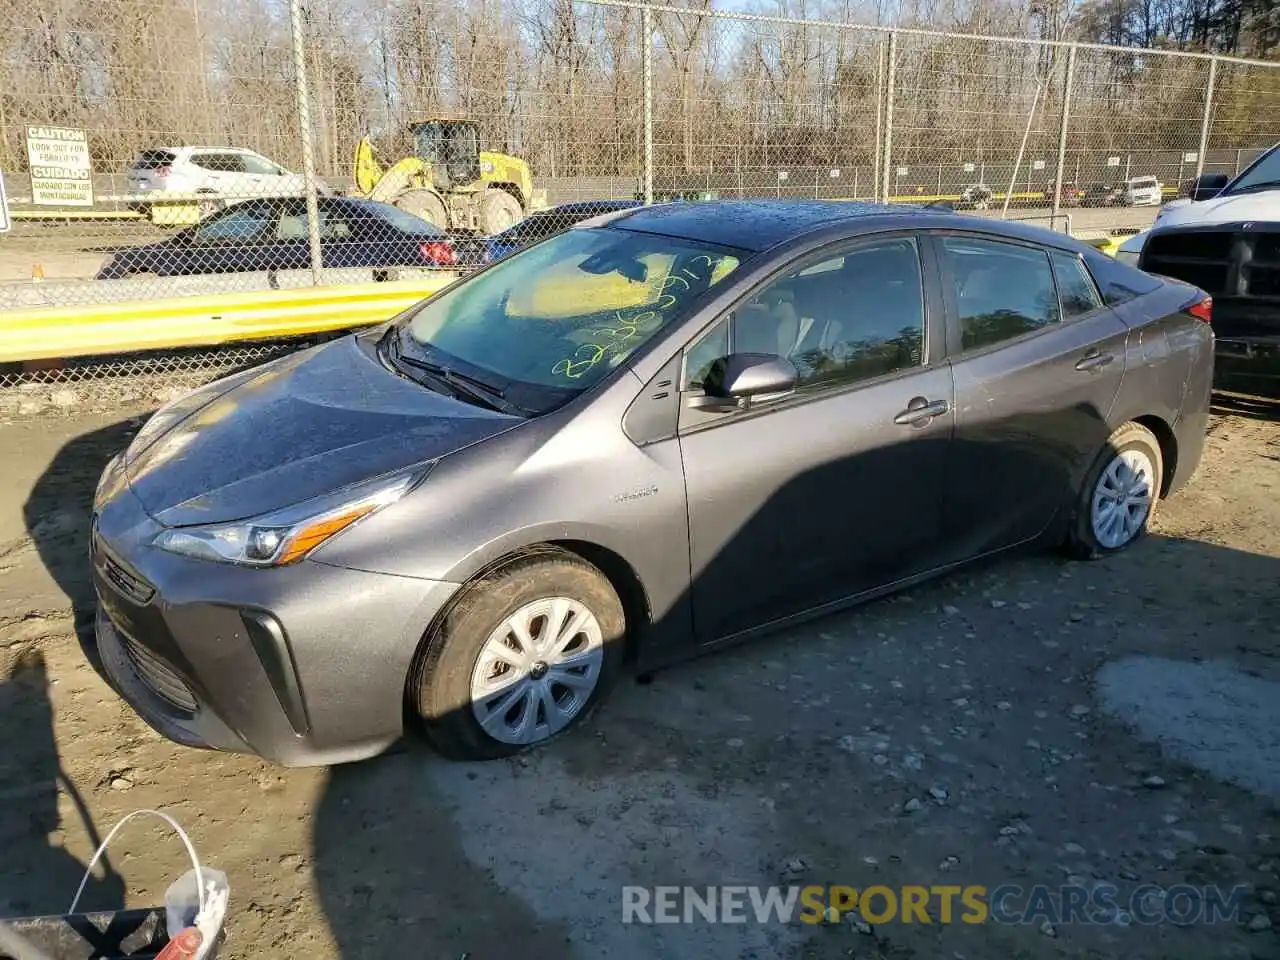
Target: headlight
{"x":1128,"y":257}
{"x":288,"y":535}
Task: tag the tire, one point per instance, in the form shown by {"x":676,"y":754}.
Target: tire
{"x":424,"y":204}
{"x":457,"y":662}
{"x":1091,"y":537}
{"x":498,"y":211}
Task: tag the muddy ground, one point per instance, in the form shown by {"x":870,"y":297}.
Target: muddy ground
{"x":1029,"y":722}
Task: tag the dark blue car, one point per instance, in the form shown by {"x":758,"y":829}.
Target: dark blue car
{"x":271,"y":234}
{"x":539,"y":226}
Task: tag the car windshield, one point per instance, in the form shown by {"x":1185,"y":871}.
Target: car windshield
{"x":554,"y":319}
{"x":1265,"y":173}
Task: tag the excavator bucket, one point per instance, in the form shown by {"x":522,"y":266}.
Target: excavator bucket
{"x":366,"y":169}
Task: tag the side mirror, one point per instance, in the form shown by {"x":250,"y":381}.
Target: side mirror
{"x":1208,"y":185}
{"x":737,"y":380}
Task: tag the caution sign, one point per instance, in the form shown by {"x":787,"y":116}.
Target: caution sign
{"x":61,"y":173}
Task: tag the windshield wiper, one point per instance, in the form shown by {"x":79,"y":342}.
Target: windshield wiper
{"x":465,"y":384}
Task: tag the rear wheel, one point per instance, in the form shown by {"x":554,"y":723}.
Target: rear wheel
{"x":208,"y":206}
{"x":521,"y":658}
{"x":1119,"y":494}
{"x":424,"y":204}
{"x":498,"y":211}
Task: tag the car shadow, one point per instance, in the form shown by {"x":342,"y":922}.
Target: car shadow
{"x":414,"y":854}
{"x":535,"y":850}
{"x":412,"y":839}
{"x":40,"y":877}
{"x":57,"y":514}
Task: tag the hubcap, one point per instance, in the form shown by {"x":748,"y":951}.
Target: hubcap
{"x":1122,"y":498}
{"x":537,"y":670}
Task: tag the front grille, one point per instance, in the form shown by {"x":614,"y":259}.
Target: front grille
{"x":1238,"y":262}
{"x":157,"y":675}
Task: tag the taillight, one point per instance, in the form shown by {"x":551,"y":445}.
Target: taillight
{"x":1202,"y":310}
{"x":439,"y":253}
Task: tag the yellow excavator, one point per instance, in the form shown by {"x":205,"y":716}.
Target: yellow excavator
{"x":449,"y":180}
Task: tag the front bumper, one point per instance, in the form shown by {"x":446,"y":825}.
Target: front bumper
{"x":302,"y":665}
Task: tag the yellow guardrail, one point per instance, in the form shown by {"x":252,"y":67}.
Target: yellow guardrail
{"x":42,"y":333}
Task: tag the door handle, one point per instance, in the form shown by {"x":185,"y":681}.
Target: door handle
{"x":1094,"y":360}
{"x":920,"y":411}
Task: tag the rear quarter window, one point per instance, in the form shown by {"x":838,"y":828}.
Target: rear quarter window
{"x":151,"y":159}
{"x":1118,"y":282}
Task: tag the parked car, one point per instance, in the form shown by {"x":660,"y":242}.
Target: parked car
{"x":976,"y":196}
{"x":475,"y":514}
{"x":1071,"y":195}
{"x":216,"y":176}
{"x":1143,"y":192}
{"x":538,"y":226}
{"x":1225,"y":236}
{"x":272,"y":235}
{"x":1102,"y":195}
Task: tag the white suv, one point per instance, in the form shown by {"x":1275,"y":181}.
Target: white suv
{"x":1143,"y":192}
{"x":216,"y":176}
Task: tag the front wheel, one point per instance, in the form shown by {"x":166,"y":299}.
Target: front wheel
{"x":1119,"y":494}
{"x":524,"y":655}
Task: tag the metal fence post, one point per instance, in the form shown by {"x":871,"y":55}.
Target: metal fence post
{"x":1208,"y":117}
{"x":646,"y":55}
{"x":877,"y":176}
{"x":304,"y":132}
{"x":1062,"y":135}
{"x":888,"y":114}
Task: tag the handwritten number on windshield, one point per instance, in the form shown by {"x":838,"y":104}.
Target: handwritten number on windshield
{"x":616,"y":339}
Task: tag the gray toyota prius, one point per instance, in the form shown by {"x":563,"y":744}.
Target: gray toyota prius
{"x":658,"y":432}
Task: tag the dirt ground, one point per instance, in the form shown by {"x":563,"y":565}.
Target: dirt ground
{"x":1029,"y":722}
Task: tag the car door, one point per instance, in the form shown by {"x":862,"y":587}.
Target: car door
{"x":213,"y":173}
{"x":836,"y":488}
{"x":1038,"y":361}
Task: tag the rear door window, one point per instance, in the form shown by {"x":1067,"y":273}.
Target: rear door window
{"x":218,"y":162}
{"x":1002,"y":290}
{"x":1075,"y":287}
{"x":152,"y":159}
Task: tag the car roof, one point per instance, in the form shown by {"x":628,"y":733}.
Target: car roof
{"x":193,"y":147}
{"x":759,"y":225}
{"x":749,"y":224}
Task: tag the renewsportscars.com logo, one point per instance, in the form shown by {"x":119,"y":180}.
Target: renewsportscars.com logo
{"x":945,"y":904}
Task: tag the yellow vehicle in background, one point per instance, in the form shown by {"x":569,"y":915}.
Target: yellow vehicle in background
{"x":449,"y":180}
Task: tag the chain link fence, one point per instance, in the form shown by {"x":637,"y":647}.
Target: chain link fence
{"x":178,"y":148}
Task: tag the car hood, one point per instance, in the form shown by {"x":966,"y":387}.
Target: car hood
{"x":1264,"y":205}
{"x":311,"y":423}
